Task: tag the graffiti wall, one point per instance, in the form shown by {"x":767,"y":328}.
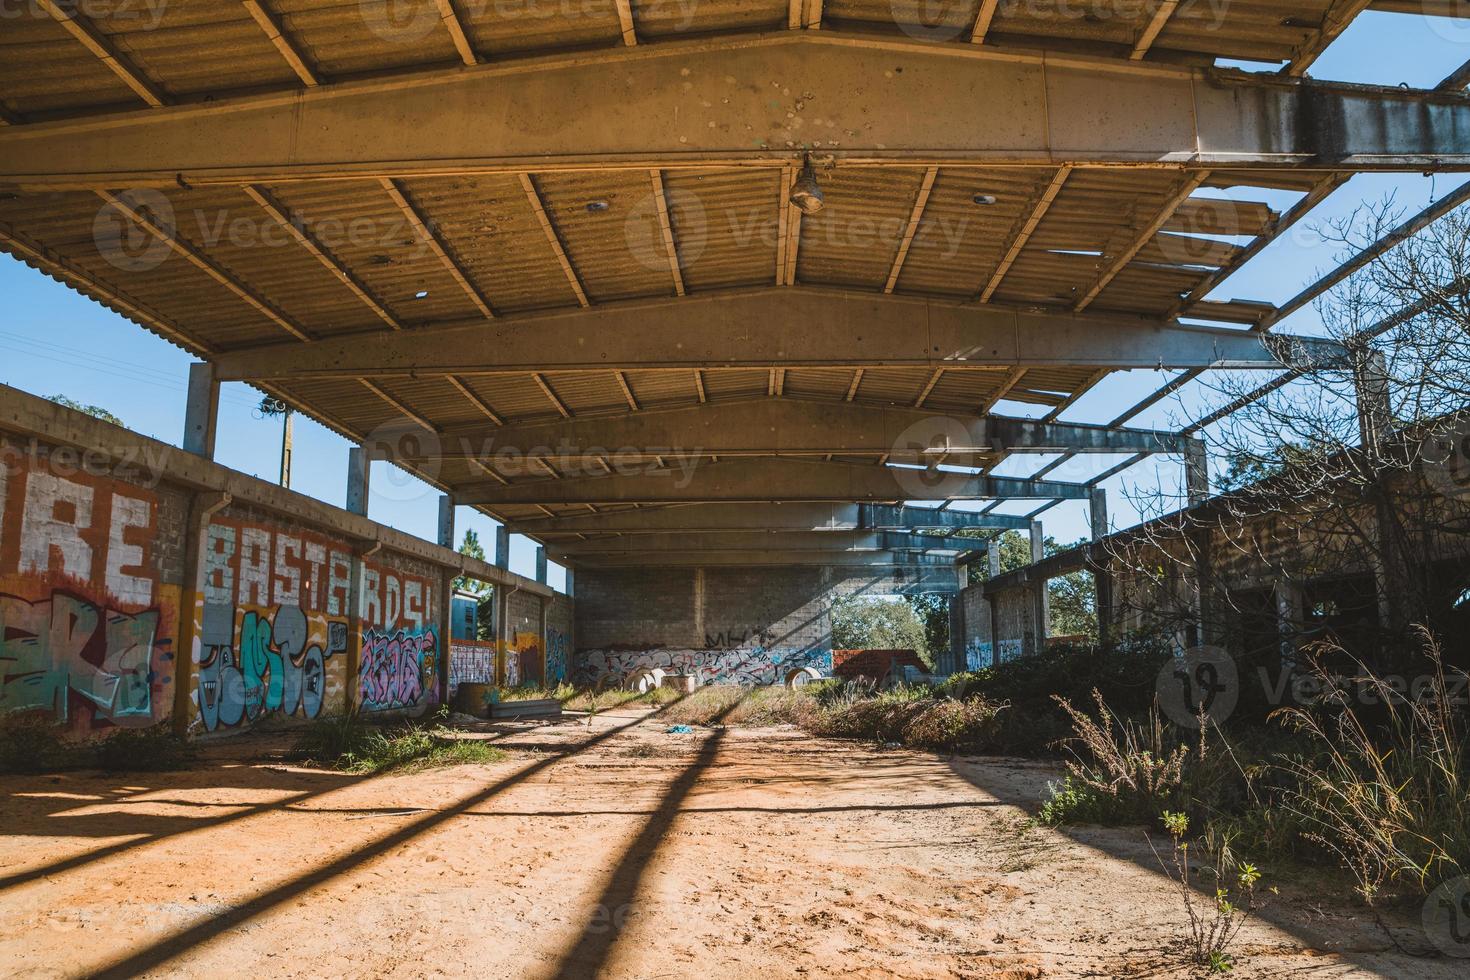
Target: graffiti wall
{"x":272,"y":625}
{"x":558,"y":640}
{"x":400,"y":640}
{"x":87,"y":619}
{"x":524,"y":663}
{"x":470,"y":662}
{"x":750,"y":667}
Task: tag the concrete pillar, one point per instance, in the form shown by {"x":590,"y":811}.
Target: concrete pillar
{"x":445,"y":608}
{"x":359,"y":473}
{"x":541,"y":564}
{"x":1290,"y":621}
{"x":992,"y":557}
{"x":203,"y":507}
{"x":356,"y":602}
{"x":1041,"y":595}
{"x":1375,"y":423}
{"x":570,"y":590}
{"x":288,"y":439}
{"x":201,"y":410}
{"x":1196,"y":471}
{"x":446,"y":521}
{"x":1197,"y":486}
{"x":956,"y":653}
{"x":1102,"y":578}
{"x":502,"y":547}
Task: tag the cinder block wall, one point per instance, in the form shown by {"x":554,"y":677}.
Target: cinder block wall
{"x":726,"y":625}
{"x":140,"y":585}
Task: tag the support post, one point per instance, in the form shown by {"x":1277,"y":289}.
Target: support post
{"x":956,"y":634}
{"x":446,"y":521}
{"x":288,"y":439}
{"x":502,"y":547}
{"x":571,"y":592}
{"x":356,"y":602}
{"x":992,"y":565}
{"x":359,"y":473}
{"x":541,"y":564}
{"x":1196,"y":472}
{"x":1197,"y":486}
{"x":1290,"y":622}
{"x":1375,"y":421}
{"x":1040,"y":598}
{"x":1102,"y":577}
{"x":203,"y":507}
{"x":201,"y":411}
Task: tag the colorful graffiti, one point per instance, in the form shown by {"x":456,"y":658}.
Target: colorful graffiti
{"x":274,"y":667}
{"x":977,"y":654}
{"x":66,"y":645}
{"x":557,"y":648}
{"x":86,"y":631}
{"x":751,"y":667}
{"x":470,"y":662}
{"x":525,"y":652}
{"x":398,"y":669}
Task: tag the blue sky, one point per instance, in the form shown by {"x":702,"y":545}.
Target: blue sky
{"x":56,"y":341}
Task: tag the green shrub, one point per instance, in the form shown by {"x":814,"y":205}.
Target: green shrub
{"x":1072,"y":801}
{"x":349,"y":743}
{"x":31,"y":743}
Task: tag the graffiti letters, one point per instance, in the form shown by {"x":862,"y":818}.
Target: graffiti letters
{"x":556,"y":655}
{"x":272,"y":668}
{"x":397,"y":668}
{"x":67,"y":646}
{"x":750,"y":667}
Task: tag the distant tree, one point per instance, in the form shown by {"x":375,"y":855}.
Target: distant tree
{"x":96,"y":411}
{"x":470,"y":547}
{"x":932,"y":610}
{"x":1072,"y":598}
{"x":868,"y":623}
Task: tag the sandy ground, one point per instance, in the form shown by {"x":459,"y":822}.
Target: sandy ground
{"x":612,"y":850}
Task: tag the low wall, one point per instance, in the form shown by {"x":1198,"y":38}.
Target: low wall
{"x":140,"y":584}
{"x":873,"y":664}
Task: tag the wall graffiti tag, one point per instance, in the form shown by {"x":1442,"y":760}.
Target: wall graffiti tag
{"x":398,"y":668}
{"x":273,"y":668}
{"x":557,"y":644}
{"x":751,"y":667}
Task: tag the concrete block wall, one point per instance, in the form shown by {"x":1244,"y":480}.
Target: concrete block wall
{"x":524,"y":663}
{"x":140,"y":584}
{"x":748,"y":626}
{"x":979,"y":644}
{"x":559,"y":622}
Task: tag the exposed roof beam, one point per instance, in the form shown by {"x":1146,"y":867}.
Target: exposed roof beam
{"x":627,"y":390}
{"x":1456,"y":81}
{"x":753,"y":328}
{"x":98,"y":43}
{"x":915,"y":216}
{"x":857,"y":381}
{"x":790,"y":231}
{"x":196,"y":258}
{"x":694,"y":480}
{"x":1013,"y":377}
{"x":661,"y":202}
{"x":551,"y":395}
{"x":911,"y":564}
{"x":553,"y":239}
{"x":456,"y":32}
{"x":830,"y":542}
{"x":276,"y":32}
{"x":983,"y":18}
{"x":1339,"y":15}
{"x":1151,"y":30}
{"x":430,"y":238}
{"x":791,"y":426}
{"x":475,"y":400}
{"x":626,"y":25}
{"x":297,"y":230}
{"x":699,"y":386}
{"x":397,"y":404}
{"x":786,"y":517}
{"x":1018,"y":242}
{"x":466,"y":119}
{"x":1181,"y":194}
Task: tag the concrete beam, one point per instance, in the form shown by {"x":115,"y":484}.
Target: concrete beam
{"x":707,"y":102}
{"x":833,"y":559}
{"x":793,"y":517}
{"x":753,"y":328}
{"x":791,"y":426}
{"x":651,"y":545}
{"x":768,"y":479}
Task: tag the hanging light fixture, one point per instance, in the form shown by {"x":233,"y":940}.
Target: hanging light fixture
{"x":806,"y":193}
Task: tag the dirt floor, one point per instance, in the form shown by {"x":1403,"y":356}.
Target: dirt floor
{"x":614,"y":849}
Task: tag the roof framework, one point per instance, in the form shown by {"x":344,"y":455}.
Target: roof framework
{"x":573,"y":233}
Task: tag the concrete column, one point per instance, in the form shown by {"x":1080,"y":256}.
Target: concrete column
{"x":1197,"y":486}
{"x":1375,"y":423}
{"x":502,"y":547}
{"x":1290,"y":621}
{"x":356,"y":602}
{"x":570,"y":590}
{"x":203,"y":507}
{"x":956,"y":661}
{"x":992,"y":557}
{"x":288,"y":439}
{"x":1102,"y":578}
{"x":359,"y":473}
{"x":446,"y":521}
{"x":1040,"y":595}
{"x":541,"y":564}
{"x":201,"y":410}
{"x":446,"y":611}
